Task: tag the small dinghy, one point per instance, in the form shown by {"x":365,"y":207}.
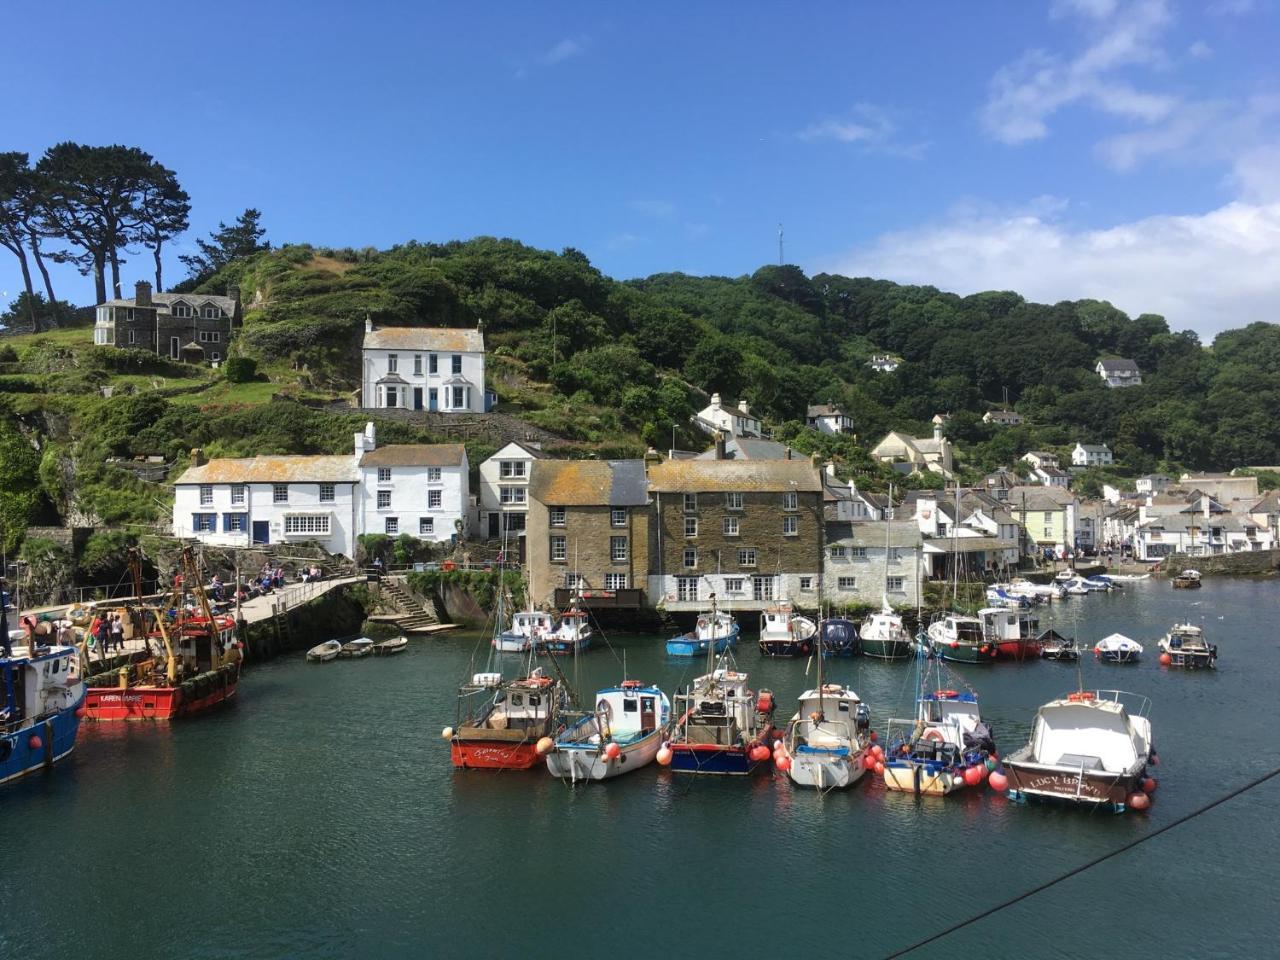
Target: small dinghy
{"x":324,"y":652}
{"x":1187,"y":580}
{"x":387,"y":647}
{"x":1054,"y":646}
{"x":1117,"y":648}
{"x":361,"y":647}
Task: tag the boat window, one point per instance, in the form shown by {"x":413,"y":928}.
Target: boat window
{"x":844,"y":706}
{"x":517,"y":699}
{"x":534,"y":699}
{"x":630,"y":705}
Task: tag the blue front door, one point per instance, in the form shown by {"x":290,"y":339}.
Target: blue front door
{"x":433,"y":403}
{"x":261,"y":531}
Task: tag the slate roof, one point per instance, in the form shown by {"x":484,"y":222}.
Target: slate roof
{"x":568,"y":483}
{"x":825,"y":410}
{"x":1039,"y":498}
{"x":967,"y":544}
{"x":723,"y":476}
{"x":416,"y":455}
{"x":1118,"y":365}
{"x":871,"y":533}
{"x":438,"y":339}
{"x":273,"y":469}
{"x":751,"y":448}
{"x":166,"y":300}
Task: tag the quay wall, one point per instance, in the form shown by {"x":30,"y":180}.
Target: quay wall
{"x":337,"y":613}
{"x":1248,"y":564}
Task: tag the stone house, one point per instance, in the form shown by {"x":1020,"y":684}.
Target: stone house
{"x":917,"y":454}
{"x":589,"y":529}
{"x":749,"y":531}
{"x":188,"y":327}
{"x":423,"y":368}
{"x":869,"y":561}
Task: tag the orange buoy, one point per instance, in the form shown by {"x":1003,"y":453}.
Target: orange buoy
{"x":1165,"y":659}
{"x":1139,"y":801}
{"x":35,"y":743}
{"x":879,"y":768}
{"x":972,"y":776}
{"x":613,"y":751}
{"x":1148,"y":784}
{"x":664,"y":756}
{"x":783,"y":763}
{"x":545,"y":746}
{"x":446,"y":733}
{"x":999,"y":782}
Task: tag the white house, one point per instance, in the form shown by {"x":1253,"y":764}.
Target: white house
{"x":1118,"y":372}
{"x":884,"y":363}
{"x":1091,"y":455}
{"x":423,"y":368}
{"x":421,"y":489}
{"x":1004,"y":418}
{"x":826,"y":418}
{"x":1050,"y":477}
{"x":865,"y":562}
{"x":1041,"y":458}
{"x":504,"y":490}
{"x":271,"y":499}
{"x":1153,"y":483}
{"x":732,"y":421}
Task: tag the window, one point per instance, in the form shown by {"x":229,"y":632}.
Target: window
{"x":790,"y":526}
{"x":433,"y":474}
{"x":895,"y":584}
{"x":431,"y":363}
{"x":791,"y":501}
{"x":730,"y":526}
{"x":686,"y":588}
{"x":556,"y":517}
{"x":384,"y":474}
{"x":806,"y":584}
{"x":393,"y":361}
{"x":514,"y":521}
{"x":131,"y":336}
{"x":1048,"y":532}
{"x":512,"y":495}
{"x":574,"y":581}
{"x":211,"y":312}
{"x":181,"y":310}
{"x":204,"y":522}
{"x":206,"y":494}
{"x":690,"y":526}
{"x":690,"y":558}
{"x":838,"y":552}
{"x":511,"y":468}
{"x":384,"y":499}
{"x":747,"y":557}
{"x":733,"y":584}
{"x":895,"y":554}
{"x":237,"y":493}
{"x":859,"y":553}
{"x":279,"y":493}
{"x":618,"y":549}
{"x":326,"y":493}
{"x":733,"y":501}
{"x":762,"y":588}
{"x":455,"y":363}
{"x":393,"y":525}
{"x":847,"y":583}
{"x":434,"y":499}
{"x":615,"y":581}
{"x":459,"y":398}
{"x":559,"y":549}
{"x":426,"y":526}
{"x":617,"y":516}
{"x":690,"y":502}
{"x":417,"y":364}
{"x":307,"y":523}
{"x":128,"y":314}
{"x":210,"y":336}
{"x":215,"y":357}
{"x":235,"y":522}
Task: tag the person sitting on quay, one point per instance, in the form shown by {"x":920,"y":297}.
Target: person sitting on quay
{"x":215,"y":588}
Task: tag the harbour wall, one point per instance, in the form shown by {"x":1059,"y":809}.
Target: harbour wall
{"x":337,"y":613}
{"x":1248,"y":564}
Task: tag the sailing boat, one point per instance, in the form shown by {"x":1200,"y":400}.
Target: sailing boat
{"x":934,"y":753}
{"x":721,"y":726}
{"x":957,"y":636}
{"x":827,"y":740}
{"x":883,"y":634}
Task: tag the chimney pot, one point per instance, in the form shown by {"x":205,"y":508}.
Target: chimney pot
{"x":233,"y":292}
{"x":197,"y":457}
{"x":142,"y":293}
{"x":715,"y":400}
{"x":742,"y":405}
{"x":368,"y":324}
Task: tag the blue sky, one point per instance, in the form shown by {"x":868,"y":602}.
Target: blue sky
{"x":1121,"y":149}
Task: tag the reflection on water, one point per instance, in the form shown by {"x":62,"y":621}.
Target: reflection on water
{"x":321,"y":813}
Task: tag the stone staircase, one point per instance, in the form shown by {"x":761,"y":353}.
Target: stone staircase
{"x":416,"y":615}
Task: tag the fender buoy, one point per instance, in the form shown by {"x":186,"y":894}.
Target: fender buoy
{"x":935,"y":735}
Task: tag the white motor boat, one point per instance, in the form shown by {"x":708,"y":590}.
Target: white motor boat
{"x":1117,"y":648}
{"x":528,"y":628}
{"x":1184,"y":646}
{"x":826,"y":742}
{"x":624,"y":733}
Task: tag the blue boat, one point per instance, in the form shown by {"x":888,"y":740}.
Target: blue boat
{"x":838,"y":637}
{"x":716,"y":627}
{"x":720,"y":725}
{"x":41,"y":701}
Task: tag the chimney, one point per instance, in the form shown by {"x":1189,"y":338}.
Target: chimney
{"x":720,"y":454}
{"x":368,"y":324}
{"x":937,"y":431}
{"x":742,"y":406}
{"x":715,"y":400}
{"x":142,"y":293}
{"x":233,"y":292}
{"x":831,"y":468}
{"x":197,"y":457}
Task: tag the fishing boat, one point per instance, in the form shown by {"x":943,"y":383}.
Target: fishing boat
{"x":190,"y":662}
{"x":324,"y":652}
{"x":720,"y":726}
{"x":389,"y":647}
{"x":41,"y":703}
{"x":1054,"y":646}
{"x":1187,"y":580}
{"x":360,"y":647}
{"x":960,"y":639}
{"x":838,"y":637}
{"x":573,"y":635}
{"x":1014,"y":632}
{"x":715,"y":629}
{"x":1087,"y":748}
{"x":883,"y":636}
{"x":1117,"y":648}
{"x":623,"y":733}
{"x":528,"y":627}
{"x":933,"y":754}
{"x":785,"y":633}
{"x":1184,"y":646}
{"x":827,"y":740}
{"x":501,"y":721}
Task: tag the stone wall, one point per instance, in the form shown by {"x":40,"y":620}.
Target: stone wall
{"x":1250,"y":563}
{"x":338,"y":613}
{"x":588,"y":531}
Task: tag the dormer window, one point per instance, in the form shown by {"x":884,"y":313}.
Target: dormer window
{"x":181,"y":310}
{"x":211,"y":313}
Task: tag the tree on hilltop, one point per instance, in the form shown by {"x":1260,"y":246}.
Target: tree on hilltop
{"x":226,"y":244}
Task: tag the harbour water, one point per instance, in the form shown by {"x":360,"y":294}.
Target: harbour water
{"x":319,"y":817}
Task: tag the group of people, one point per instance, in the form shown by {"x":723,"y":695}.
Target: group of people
{"x":108,"y":632}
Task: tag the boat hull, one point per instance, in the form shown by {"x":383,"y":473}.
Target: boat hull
{"x":1018,"y":649}
{"x":1071,"y":786}
{"x":966,"y":652}
{"x":154,"y":703}
{"x":712,"y":759}
{"x":1199,"y":660}
{"x":786,"y":648}
{"x":511,"y":643}
{"x":561,"y":648}
{"x":886,"y":649}
{"x":824,"y":770}
{"x":1118,"y":656}
{"x":689,"y":646}
{"x":480,"y":754}
{"x":588,"y":763}
{"x":57,"y":735}
{"x":926,"y":779}
{"x":1181,"y":584}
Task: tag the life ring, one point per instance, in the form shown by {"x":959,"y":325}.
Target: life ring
{"x":541,"y":681}
{"x":934,"y":735}
{"x":945,"y":694}
{"x":631,"y":684}
{"x":1080,"y":695}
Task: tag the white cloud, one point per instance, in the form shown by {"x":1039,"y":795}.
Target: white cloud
{"x":659,"y":209}
{"x":865,"y":125}
{"x":1200,"y":51}
{"x":1208,"y":271}
{"x":1231,"y":8}
{"x":564,"y":50}
{"x":1026,"y":93}
{"x":1098,"y":9}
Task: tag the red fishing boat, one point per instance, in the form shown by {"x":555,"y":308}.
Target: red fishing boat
{"x":501,"y":722}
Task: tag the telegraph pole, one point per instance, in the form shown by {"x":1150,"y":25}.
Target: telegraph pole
{"x":780,"y":260}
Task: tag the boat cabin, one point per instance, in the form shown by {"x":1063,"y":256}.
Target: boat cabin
{"x":713,"y":626}
{"x":718,"y":709}
{"x":532,"y":623}
{"x":830,"y":717}
{"x":36,"y":684}
{"x":1082,"y":732}
{"x":963,"y":629}
{"x":631,"y":710}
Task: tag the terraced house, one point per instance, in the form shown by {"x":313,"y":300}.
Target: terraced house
{"x":589,"y":530}
{"x":189,"y":327}
{"x":749,"y":531}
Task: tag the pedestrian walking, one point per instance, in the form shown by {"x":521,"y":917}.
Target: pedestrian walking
{"x":117,"y":632}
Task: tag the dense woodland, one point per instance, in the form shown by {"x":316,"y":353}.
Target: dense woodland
{"x":612,"y":367}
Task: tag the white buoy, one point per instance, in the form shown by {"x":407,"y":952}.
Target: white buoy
{"x":446,"y":733}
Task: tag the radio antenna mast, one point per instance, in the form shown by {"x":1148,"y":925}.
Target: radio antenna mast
{"x":780,"y":260}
